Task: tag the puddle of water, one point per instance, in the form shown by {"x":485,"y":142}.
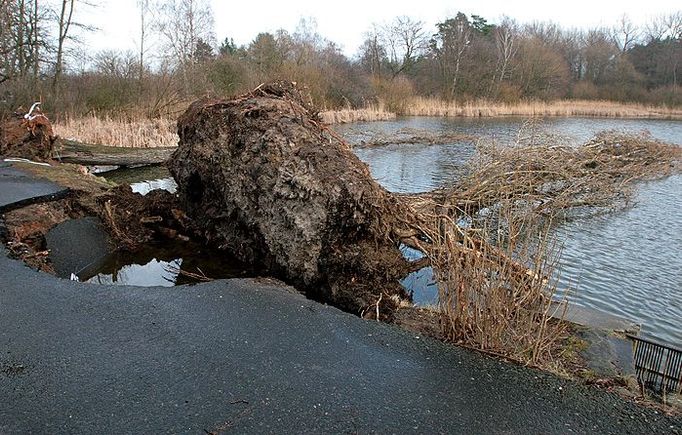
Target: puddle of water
{"x":161,"y":264}
{"x":144,"y":187}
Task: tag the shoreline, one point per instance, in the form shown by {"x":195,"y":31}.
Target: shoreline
{"x":485,"y":109}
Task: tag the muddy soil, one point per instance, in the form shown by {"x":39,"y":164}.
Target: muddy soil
{"x":132,"y":220}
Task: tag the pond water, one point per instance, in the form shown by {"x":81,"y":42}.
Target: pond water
{"x":143,"y":180}
{"x":628,"y":263}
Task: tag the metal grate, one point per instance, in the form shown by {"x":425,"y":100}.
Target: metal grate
{"x":658,"y":366}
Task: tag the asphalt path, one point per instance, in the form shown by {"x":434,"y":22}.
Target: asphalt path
{"x":253,"y":356}
{"x":17,"y":187}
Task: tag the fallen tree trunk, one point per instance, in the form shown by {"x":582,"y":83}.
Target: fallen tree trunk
{"x":98,"y":155}
{"x":262,"y":178}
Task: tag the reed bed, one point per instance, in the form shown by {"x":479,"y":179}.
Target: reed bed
{"x":368,"y":114}
{"x":577,"y":108}
{"x":557,"y":180}
{"x":496,"y":284}
{"x":138,"y":133}
{"x":160,"y":132}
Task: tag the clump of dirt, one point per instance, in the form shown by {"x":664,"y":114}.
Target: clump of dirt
{"x":134,"y":220}
{"x":264,"y":179}
{"x":28,"y":136}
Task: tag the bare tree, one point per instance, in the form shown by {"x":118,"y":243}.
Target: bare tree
{"x":506,"y":35}
{"x":673,"y":25}
{"x":182,"y":24}
{"x":372,"y":52}
{"x":64,"y":24}
{"x":144,"y":10}
{"x":666,"y":26}
{"x":626,"y":33}
{"x":405,"y":41}
{"x":20,"y":38}
{"x":449,"y":46}
{"x":36,"y":40}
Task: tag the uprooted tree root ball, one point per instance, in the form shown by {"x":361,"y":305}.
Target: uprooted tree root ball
{"x":28,"y":136}
{"x":263,"y":178}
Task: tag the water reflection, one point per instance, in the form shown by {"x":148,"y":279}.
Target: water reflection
{"x":144,"y":187}
{"x":412,"y":168}
{"x":629,"y":263}
{"x":164,"y":264}
{"x":142,"y":180}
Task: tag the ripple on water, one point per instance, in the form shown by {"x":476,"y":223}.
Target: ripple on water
{"x":629,"y":263}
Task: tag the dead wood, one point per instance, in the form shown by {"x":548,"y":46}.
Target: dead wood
{"x":99,"y":155}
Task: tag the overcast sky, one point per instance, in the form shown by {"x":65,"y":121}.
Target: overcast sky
{"x":344,"y":22}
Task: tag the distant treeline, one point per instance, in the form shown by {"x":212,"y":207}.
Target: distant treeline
{"x":463,"y":58}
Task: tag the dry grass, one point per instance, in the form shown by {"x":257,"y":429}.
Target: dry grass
{"x":584,"y":108}
{"x":160,"y":132}
{"x":140,"y":133}
{"x":558,"y":180}
{"x":495,"y":296}
{"x":344,"y":116}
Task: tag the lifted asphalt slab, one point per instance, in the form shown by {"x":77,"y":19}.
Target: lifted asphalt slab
{"x":77,"y":244}
{"x":250,"y":356}
{"x":17,"y":187}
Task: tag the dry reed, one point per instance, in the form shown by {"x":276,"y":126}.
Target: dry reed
{"x":415,"y":136}
{"x":487,"y":237}
{"x":495,"y":296}
{"x":578,"y":108}
{"x":562,"y":180}
{"x":344,"y":116}
{"x":139,"y":133}
{"x":160,"y":132}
